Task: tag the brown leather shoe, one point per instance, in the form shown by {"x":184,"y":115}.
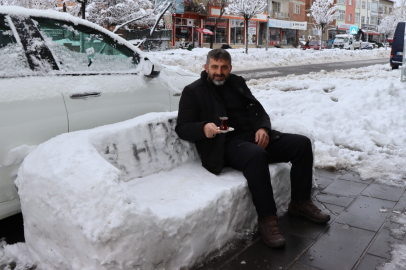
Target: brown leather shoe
{"x":308,"y":210}
{"x":269,"y":229}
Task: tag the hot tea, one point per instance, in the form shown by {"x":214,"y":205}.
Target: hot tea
{"x":223,"y":123}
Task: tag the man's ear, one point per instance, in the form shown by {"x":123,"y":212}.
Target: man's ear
{"x":205,"y":67}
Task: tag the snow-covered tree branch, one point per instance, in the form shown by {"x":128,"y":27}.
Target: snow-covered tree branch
{"x":247,"y":9}
{"x":323,"y":12}
{"x":387,"y":26}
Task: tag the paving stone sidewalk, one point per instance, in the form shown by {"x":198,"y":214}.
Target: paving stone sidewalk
{"x":358,"y":235}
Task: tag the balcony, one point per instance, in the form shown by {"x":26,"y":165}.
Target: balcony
{"x":279,"y":15}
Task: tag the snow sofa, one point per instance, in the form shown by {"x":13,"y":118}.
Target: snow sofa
{"x":132,"y":195}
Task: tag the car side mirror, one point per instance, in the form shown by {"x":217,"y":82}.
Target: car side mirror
{"x":151,"y":69}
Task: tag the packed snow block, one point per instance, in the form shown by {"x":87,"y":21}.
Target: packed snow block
{"x":132,"y":195}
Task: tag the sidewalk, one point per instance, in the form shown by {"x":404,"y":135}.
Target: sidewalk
{"x":357,"y":236}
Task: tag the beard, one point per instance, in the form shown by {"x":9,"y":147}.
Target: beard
{"x":221,"y":79}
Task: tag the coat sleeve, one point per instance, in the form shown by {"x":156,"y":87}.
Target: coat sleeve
{"x":189,"y":127}
{"x":262,"y":119}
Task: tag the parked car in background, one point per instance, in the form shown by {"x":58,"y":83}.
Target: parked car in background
{"x":367,"y":46}
{"x":314,"y":44}
{"x":59,"y":73}
{"x":396,"y":54}
{"x":346,"y":41}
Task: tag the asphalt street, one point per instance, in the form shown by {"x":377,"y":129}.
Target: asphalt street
{"x":305,"y":69}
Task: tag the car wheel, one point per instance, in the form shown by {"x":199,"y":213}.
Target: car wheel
{"x":394,"y":67}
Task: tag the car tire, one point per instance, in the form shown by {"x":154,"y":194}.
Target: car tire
{"x":394,"y":67}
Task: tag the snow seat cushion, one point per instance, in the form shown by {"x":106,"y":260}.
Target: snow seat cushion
{"x":132,"y":195}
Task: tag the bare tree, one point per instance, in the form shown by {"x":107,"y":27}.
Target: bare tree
{"x":323,"y":13}
{"x":247,"y":9}
{"x":387,"y":26}
{"x":222,"y":4}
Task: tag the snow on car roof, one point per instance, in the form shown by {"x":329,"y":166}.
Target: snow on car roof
{"x":52,"y":14}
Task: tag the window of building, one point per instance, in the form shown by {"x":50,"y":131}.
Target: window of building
{"x":363,"y":4}
{"x":349,"y":17}
{"x":341,"y":14}
{"x":369,"y":5}
{"x":276,"y":6}
{"x":296,"y":9}
{"x":374,"y":20}
{"x":237,"y":31}
{"x":357,"y":3}
{"x":374,"y":7}
{"x":390,"y":10}
{"x":350,"y":2}
{"x":220,"y":36}
{"x":356,"y":17}
{"x":386,"y":10}
{"x":341,"y":2}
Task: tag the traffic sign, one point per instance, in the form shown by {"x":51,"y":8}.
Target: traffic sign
{"x":353,"y":30}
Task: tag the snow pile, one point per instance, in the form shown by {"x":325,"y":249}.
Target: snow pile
{"x":259,"y":58}
{"x":357,"y":117}
{"x":117,"y":193}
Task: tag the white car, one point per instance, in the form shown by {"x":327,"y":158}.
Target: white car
{"x":59,"y":73}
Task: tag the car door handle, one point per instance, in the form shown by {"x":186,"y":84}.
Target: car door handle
{"x":85,"y":95}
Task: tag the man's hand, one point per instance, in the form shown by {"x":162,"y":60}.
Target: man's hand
{"x":210,"y":130}
{"x":262,"y":138}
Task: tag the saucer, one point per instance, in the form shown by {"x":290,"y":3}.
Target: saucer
{"x":228,"y":130}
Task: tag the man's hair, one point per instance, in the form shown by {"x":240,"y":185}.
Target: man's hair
{"x":217,"y":54}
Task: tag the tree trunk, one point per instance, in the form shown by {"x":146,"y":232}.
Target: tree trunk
{"x":83,"y":9}
{"x":64,"y":6}
{"x":321,"y":37}
{"x":246,"y":34}
{"x":215,"y":27}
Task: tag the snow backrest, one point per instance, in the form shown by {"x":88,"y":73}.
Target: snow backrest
{"x":146,"y":148}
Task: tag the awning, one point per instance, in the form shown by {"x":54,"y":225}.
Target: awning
{"x":370,"y":32}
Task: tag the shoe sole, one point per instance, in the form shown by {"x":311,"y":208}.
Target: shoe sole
{"x":308,"y":218}
{"x":273,"y":246}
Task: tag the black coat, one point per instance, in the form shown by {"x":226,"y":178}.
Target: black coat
{"x":200,"y":104}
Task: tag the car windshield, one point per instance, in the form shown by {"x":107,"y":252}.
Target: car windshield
{"x":12,"y":58}
{"x":80,"y":48}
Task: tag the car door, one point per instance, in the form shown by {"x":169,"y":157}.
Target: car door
{"x":101,"y":80}
{"x":31,"y":112}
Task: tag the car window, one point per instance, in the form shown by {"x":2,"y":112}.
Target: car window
{"x":80,"y":48}
{"x":12,"y":57}
{"x":314,"y":42}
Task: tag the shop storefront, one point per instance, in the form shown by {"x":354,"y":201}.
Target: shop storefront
{"x":284,"y":33}
{"x":220,"y":35}
{"x":184,"y":30}
{"x":236,"y":31}
{"x":231,"y":29}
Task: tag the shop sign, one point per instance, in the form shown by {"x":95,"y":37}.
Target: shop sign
{"x":236,"y":23}
{"x":252,"y":32}
{"x":287,"y":24}
{"x":183,"y":29}
{"x":210,"y":23}
{"x":168,"y":20}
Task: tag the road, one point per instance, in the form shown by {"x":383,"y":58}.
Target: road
{"x":305,"y":69}
{"x":12,"y":228}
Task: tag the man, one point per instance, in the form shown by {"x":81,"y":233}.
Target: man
{"x":250,"y":147}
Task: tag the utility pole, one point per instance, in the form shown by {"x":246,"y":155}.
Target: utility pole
{"x":402,"y":73}
{"x":368,"y":7}
{"x":267,"y":25}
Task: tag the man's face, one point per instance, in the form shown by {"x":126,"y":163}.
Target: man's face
{"x":218,"y":71}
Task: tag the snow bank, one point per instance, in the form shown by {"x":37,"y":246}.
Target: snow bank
{"x":357,"y":117}
{"x":132,"y":196}
{"x":259,"y":58}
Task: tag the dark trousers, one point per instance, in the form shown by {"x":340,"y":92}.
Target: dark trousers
{"x":245,"y":155}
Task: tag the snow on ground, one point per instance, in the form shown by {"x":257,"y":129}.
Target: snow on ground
{"x":357,"y":117}
{"x":259,"y":58}
{"x":132,"y":195}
